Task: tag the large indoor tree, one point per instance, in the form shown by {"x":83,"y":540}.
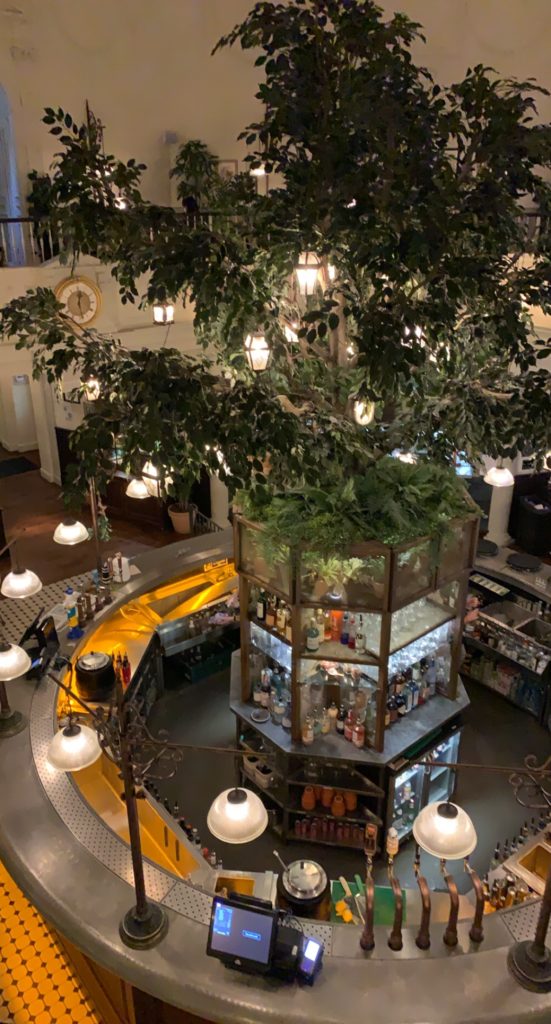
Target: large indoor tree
{"x":409,"y":195}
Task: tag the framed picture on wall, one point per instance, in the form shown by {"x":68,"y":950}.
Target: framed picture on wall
{"x":228,"y":168}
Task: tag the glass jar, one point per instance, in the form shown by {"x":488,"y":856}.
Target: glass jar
{"x":325,"y":722}
{"x":349,"y":725}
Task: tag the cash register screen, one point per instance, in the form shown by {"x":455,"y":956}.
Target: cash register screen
{"x":239,"y":933}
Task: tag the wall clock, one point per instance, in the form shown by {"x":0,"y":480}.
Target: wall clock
{"x":81,"y":299}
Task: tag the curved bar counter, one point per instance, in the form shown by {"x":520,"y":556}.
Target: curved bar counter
{"x":76,"y":871}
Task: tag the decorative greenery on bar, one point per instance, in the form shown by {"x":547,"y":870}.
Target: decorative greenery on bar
{"x":410,"y":190}
{"x":392,"y":502}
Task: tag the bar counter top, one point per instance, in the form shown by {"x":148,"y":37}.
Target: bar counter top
{"x":76,"y":872}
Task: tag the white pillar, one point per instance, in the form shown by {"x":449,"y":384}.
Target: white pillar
{"x":219,"y":505}
{"x":498,"y":522}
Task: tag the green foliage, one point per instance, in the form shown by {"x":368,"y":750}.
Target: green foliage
{"x":410,"y":190}
{"x":391,"y":502}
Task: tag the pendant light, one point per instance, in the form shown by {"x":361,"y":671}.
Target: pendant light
{"x":259,"y":171}
{"x":137,"y":489}
{"x":364,"y":412}
{"x":152,"y":480}
{"x":445,"y":831}
{"x":73,"y":748}
{"x":163,"y":313}
{"x":14,"y":661}
{"x":70,"y":531}
{"x":237,"y":816}
{"x":307,"y":272}
{"x":258,"y":352}
{"x":499,"y":476}
{"x":20,"y":583}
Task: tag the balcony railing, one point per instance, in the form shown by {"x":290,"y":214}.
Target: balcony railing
{"x":26,"y":242}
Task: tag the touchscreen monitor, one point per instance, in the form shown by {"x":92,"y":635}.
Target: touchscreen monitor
{"x":240,"y":933}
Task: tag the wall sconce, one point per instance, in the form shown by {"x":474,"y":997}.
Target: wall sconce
{"x":257,"y":352}
{"x":163,"y":313}
{"x":307,"y":272}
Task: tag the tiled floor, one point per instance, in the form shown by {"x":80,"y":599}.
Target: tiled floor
{"x":37,"y":982}
{"x":33,"y":507}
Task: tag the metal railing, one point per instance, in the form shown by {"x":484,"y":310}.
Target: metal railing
{"x":201,"y":524}
{"x":30,"y":242}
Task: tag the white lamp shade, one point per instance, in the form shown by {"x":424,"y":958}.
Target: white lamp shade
{"x":448,"y":836}
{"x":152,"y":481}
{"x":74,"y":748}
{"x":498,"y":476}
{"x":237,"y":816}
{"x":364,"y":412}
{"x":14,"y":662}
{"x":70,"y":531}
{"x":307,"y":273}
{"x":20,"y":583}
{"x":137,"y":489}
{"x":258,"y":352}
{"x":258,"y":172}
{"x":92,"y":389}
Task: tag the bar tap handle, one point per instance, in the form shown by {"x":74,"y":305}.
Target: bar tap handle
{"x":476,"y":934}
{"x":367,"y":940}
{"x":450,"y":935}
{"x":422,"y":940}
{"x":392,"y":846}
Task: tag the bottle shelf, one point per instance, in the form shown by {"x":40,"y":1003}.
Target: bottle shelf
{"x":479,"y":645}
{"x":269,"y":629}
{"x":333,"y":650}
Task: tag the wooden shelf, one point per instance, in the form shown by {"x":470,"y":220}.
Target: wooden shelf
{"x":270,"y":630}
{"x":369,"y":790}
{"x":333,"y":650}
{"x":486,"y":649}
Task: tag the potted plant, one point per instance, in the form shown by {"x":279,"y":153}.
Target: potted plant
{"x":179,"y":509}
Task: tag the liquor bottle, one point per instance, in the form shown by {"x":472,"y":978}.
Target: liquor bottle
{"x":514,"y":846}
{"x":352,"y":633}
{"x":176,"y":811}
{"x":261,"y":606}
{"x":344,"y":629}
{"x":280,"y":617}
{"x":126,"y":671}
{"x":312,"y":636}
{"x":360,"y":636}
{"x":288,"y":624}
{"x":333,"y":715}
{"x":505,"y":854}
{"x":401,"y":704}
{"x":271,"y":612}
{"x":327,"y":635}
{"x":496,"y":859}
{"x":336,"y":619}
{"x":524,"y":833}
{"x":341,"y":718}
{"x":430,"y":678}
{"x":349,"y":724}
{"x":408,"y":696}
{"x":320,"y":623}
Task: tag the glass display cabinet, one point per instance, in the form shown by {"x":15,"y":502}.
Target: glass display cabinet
{"x":412,"y":787}
{"x":351,"y":644}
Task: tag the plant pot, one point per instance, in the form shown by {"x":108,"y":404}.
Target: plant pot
{"x":181,"y":521}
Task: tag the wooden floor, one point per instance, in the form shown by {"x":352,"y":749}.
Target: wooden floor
{"x":32,"y":508}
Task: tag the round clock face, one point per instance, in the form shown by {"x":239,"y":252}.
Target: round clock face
{"x":81,"y":299}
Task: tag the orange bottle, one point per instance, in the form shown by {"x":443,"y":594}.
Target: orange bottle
{"x":336,"y":620}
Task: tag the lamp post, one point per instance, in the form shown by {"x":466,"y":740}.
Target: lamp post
{"x":530,"y":961}
{"x":236,"y":816}
{"x":14,"y":662}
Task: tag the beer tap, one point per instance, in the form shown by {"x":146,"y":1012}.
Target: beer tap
{"x":422,"y":940}
{"x":367,"y":940}
{"x":450,"y":935}
{"x":476,"y":933}
{"x":392,"y":847}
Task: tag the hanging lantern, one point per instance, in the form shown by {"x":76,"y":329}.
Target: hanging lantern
{"x":364,"y":412}
{"x":92,"y":389}
{"x":307,"y":272}
{"x":257,"y":352}
{"x":163,"y":313}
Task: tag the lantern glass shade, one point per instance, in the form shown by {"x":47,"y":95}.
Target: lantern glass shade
{"x":498,"y":476}
{"x":14,"y":662}
{"x":20,"y":583}
{"x":92,"y":389}
{"x":163,"y":313}
{"x":307,"y":273}
{"x":364,"y":412}
{"x":237,"y":816}
{"x":137,"y":489}
{"x":445,"y":831}
{"x":152,"y":481}
{"x":70,"y":531}
{"x":74,"y":748}
{"x":259,"y":171}
{"x":257,"y":352}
